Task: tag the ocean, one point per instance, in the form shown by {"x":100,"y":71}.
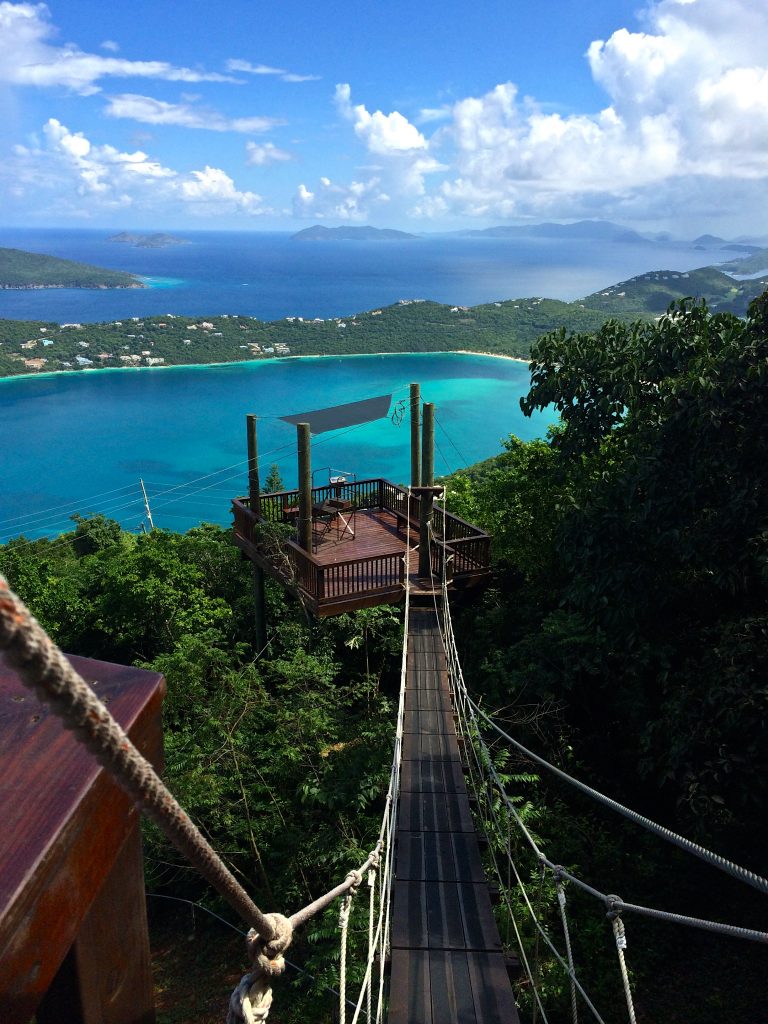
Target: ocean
{"x":80,"y":442}
{"x":270,"y":275}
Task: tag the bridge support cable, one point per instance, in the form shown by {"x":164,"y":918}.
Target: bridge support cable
{"x":714,"y":859}
{"x":483,"y":777}
{"x":470,"y":718}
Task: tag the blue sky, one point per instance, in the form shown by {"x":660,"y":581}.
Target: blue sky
{"x":425,"y":116}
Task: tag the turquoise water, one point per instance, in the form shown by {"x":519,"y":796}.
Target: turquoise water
{"x":80,"y":442}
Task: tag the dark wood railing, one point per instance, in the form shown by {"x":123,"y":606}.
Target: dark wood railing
{"x":464,"y":548}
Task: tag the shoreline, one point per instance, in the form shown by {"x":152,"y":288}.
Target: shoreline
{"x":255,"y":362}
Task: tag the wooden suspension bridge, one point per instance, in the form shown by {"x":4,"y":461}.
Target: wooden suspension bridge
{"x":66,"y":869}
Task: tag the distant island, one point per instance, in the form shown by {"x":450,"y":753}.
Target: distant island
{"x":505,"y":328}
{"x":595,"y":230}
{"x":157,"y":240}
{"x":318,"y":233}
{"x":20,"y":269}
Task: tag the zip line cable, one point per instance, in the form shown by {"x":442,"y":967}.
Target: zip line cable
{"x":452,"y":442}
{"x":66,"y":510}
{"x":67,"y":505}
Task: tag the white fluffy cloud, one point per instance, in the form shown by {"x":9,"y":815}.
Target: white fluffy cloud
{"x":27,"y":57}
{"x":402,"y":162}
{"x":65,"y":168}
{"x":331,"y":201}
{"x":686,"y":115}
{"x":153,"y":111}
{"x":688,"y":98}
{"x":263,"y":154}
{"x":383,"y":134}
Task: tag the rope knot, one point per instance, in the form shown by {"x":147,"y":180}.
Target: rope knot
{"x":614,"y":905}
{"x":357,"y":878}
{"x":272,"y":949}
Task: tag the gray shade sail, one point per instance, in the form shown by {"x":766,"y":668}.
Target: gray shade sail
{"x":347,"y":415}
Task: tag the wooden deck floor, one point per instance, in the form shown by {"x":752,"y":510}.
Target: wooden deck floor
{"x":447,"y":962}
{"x":368,"y":533}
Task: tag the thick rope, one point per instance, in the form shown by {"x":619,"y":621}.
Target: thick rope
{"x":620,"y":936}
{"x":569,"y":952}
{"x":42,"y":667}
{"x":371,"y":947}
{"x":344,"y":912}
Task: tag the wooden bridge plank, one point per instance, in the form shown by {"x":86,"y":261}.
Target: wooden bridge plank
{"x":424,"y":677}
{"x":434,"y":812}
{"x":427,"y":661}
{"x":427,"y":700}
{"x":438,"y":857}
{"x":432,"y":777}
{"x":430,"y":747}
{"x":438,"y":986}
{"x":428,"y":720}
{"x":443,"y":915}
{"x":491,"y":989}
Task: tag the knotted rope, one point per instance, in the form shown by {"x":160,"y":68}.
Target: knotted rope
{"x":252,"y":998}
{"x":619,"y":934}
{"x":344,"y":912}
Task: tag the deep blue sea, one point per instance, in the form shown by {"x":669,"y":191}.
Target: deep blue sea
{"x":270,"y":275}
{"x":80,"y":442}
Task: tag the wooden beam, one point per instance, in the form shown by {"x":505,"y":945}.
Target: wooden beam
{"x":305,"y":486}
{"x":415,"y":440}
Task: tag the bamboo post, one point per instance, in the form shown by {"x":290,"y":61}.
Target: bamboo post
{"x":254,"y":494}
{"x":305,"y":486}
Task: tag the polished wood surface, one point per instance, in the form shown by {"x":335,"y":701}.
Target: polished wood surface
{"x":71,"y":885}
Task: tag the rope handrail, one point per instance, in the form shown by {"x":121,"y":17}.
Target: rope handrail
{"x":612,"y":902}
{"x":42,"y":666}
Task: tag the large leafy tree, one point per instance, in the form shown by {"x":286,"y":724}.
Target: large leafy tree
{"x":664,"y":538}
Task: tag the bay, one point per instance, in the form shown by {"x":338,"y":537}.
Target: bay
{"x":80,"y":442}
{"x":67,"y":439}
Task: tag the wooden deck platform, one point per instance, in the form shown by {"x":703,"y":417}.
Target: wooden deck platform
{"x":358,"y":557}
{"x":447,"y":961}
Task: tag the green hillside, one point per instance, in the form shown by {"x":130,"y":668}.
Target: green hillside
{"x":754,"y":263}
{"x":504,"y":328}
{"x":654,"y":291}
{"x":19,"y":269}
